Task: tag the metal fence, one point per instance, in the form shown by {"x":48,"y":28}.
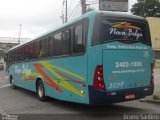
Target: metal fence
{"x":13,"y":40}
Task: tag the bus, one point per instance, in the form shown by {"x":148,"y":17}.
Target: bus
{"x":98,"y":58}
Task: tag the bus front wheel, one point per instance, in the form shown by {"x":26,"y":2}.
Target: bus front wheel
{"x":40,"y":90}
{"x":12,"y":82}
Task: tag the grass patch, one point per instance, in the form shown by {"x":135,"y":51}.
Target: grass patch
{"x":155,"y":97}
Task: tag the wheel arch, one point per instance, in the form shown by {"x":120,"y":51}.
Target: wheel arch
{"x":40,"y":79}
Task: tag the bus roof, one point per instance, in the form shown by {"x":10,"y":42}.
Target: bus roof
{"x":89,"y":14}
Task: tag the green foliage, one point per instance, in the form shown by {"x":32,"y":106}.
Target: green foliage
{"x":146,"y":8}
{"x":155,"y":97}
{"x":90,"y":9}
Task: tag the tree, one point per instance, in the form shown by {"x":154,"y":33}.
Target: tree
{"x":146,"y":8}
{"x":89,"y":9}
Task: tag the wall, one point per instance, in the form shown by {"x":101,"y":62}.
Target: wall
{"x":154,"y":24}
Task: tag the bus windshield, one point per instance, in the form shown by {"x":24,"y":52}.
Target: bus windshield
{"x":113,"y":29}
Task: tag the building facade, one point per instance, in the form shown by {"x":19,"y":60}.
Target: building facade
{"x":154,"y":24}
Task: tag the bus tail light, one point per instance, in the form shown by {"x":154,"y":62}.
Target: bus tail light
{"x":101,"y":14}
{"x":98,"y":78}
{"x":152,"y":75}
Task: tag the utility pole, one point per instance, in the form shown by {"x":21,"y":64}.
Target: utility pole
{"x":83,"y":4}
{"x":64,"y":17}
{"x":66,"y":12}
{"x":19,"y":40}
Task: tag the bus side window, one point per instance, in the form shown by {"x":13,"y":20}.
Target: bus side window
{"x":78,"y":43}
{"x":57,"y":44}
{"x":35,"y":53}
{"x":26,"y":52}
{"x":50,"y":46}
{"x":66,"y":42}
{"x":44,"y":47}
{"x":40,"y":49}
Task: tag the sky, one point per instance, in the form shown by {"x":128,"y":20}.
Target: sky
{"x":35,"y":16}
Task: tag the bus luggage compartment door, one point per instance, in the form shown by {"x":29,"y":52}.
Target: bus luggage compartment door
{"x":124,"y":69}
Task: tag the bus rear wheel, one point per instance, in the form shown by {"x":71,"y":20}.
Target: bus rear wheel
{"x":40,"y":91}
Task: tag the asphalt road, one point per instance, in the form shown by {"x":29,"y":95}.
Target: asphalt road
{"x":20,"y":101}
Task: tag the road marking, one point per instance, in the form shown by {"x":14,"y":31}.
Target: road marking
{"x":4,"y":86}
{"x":6,"y":116}
{"x":2,"y":112}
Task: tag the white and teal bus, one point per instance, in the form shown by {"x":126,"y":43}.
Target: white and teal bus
{"x":98,"y":58}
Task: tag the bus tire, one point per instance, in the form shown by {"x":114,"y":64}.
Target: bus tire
{"x":12,"y":83}
{"x":40,"y":91}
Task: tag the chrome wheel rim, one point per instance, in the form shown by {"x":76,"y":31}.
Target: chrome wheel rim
{"x":40,"y":90}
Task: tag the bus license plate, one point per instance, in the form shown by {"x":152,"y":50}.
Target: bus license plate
{"x":130,"y":96}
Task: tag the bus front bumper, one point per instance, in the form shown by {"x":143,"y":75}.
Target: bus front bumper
{"x":103,"y":97}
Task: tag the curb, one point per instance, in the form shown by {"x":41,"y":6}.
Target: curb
{"x":153,"y":101}
{"x":150,"y":100}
